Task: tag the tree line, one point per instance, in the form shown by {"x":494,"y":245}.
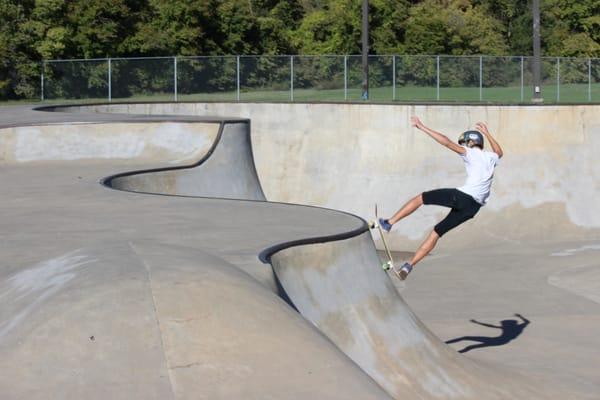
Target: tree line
{"x":35,"y":30}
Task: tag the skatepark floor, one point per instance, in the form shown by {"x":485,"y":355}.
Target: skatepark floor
{"x":126,"y":239}
{"x":553,"y":285}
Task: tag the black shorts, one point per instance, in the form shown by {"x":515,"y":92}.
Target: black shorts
{"x":463,"y":207}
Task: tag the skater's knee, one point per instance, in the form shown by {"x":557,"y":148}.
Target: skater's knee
{"x":418,"y":200}
{"x":431,"y":240}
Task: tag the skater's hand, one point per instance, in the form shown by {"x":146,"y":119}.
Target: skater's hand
{"x":416,"y":122}
{"x":437,"y":136}
{"x":482,"y":127}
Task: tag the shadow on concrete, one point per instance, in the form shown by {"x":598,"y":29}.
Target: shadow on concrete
{"x":511,"y":329}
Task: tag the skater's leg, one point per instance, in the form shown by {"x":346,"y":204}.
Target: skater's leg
{"x":425,"y":248}
{"x":407,"y":209}
{"x":422,"y":251}
{"x":458,"y":214}
{"x":474,"y":346}
{"x":440,"y":197}
{"x":480,"y":339}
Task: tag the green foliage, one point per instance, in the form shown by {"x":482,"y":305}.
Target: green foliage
{"x":333,"y":29}
{"x":35,"y":30}
{"x":571,"y":28}
{"x":388,"y":25}
{"x":99,"y":26}
{"x":19,"y":69}
{"x":165,"y":27}
{"x":453,"y":27}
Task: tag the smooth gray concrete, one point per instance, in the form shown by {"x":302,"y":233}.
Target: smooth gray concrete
{"x":352,"y":156}
{"x":335,"y":286}
{"x":169,"y":289}
{"x":122,"y":295}
{"x":107,"y":293}
{"x":225,"y":170}
{"x":490,"y":284}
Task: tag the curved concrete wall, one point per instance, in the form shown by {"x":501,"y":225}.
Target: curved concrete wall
{"x":131,"y":294}
{"x":194,"y":158}
{"x":226,"y":171}
{"x":162,"y":143}
{"x":337,"y":287}
{"x":350,"y":156}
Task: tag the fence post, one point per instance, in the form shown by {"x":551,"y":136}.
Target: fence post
{"x":42,"y":80}
{"x":345,"y":77}
{"x":394,"y":77}
{"x":109,"y":80}
{"x":522,"y":78}
{"x":437,"y":61}
{"x":291,"y":78}
{"x":480,"y":78}
{"x":557,"y":79}
{"x":237,"y":73}
{"x":589,"y":80}
{"x":175,"y":77}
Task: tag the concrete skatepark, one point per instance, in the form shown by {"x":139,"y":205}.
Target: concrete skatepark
{"x":141,"y":260}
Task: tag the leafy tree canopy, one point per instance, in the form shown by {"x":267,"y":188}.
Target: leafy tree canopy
{"x":32,"y":30}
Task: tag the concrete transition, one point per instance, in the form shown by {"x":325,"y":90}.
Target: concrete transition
{"x":227,"y":171}
{"x":156,"y":290}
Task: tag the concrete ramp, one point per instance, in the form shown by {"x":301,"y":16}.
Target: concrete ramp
{"x":226,"y":170}
{"x":339,"y":287}
{"x":143,"y":320}
{"x":122,"y":295}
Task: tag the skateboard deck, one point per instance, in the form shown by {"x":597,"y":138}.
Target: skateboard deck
{"x":375,"y":225}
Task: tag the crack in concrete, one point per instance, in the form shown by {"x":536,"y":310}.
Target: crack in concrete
{"x":155,"y":308}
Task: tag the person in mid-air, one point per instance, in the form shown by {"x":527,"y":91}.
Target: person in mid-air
{"x":464,"y":202}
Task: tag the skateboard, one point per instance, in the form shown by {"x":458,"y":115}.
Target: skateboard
{"x":375,"y":225}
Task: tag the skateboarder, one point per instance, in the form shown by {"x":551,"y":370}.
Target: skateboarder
{"x":464,"y":201}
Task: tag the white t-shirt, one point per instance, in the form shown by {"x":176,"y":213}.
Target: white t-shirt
{"x":480,"y":172}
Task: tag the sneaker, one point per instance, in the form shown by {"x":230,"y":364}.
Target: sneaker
{"x":385,"y":225}
{"x":403,"y":271}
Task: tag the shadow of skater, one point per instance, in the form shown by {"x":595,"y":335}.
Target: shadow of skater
{"x":511,"y":328}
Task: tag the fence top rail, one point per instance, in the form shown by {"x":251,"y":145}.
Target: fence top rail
{"x":141,"y":58}
{"x":75,"y":60}
{"x":195,"y":57}
{"x":574,"y":58}
{"x":314,"y":56}
{"x":108,"y":58}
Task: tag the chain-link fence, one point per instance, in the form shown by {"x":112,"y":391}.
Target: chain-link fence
{"x":407,"y":78}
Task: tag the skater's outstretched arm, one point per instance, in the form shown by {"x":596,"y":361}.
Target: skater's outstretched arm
{"x":481,"y":127}
{"x":484,"y":324}
{"x":525,"y":320}
{"x":437,"y":136}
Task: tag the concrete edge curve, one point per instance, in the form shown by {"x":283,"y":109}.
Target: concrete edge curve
{"x":265,"y":255}
{"x":107,"y":181}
